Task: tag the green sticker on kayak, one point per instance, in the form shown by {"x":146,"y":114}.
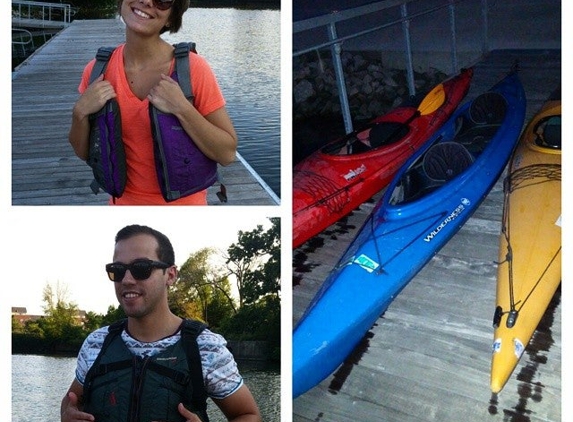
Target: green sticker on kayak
{"x":366,"y":263}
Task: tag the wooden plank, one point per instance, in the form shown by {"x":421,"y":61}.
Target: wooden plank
{"x":45,"y":171}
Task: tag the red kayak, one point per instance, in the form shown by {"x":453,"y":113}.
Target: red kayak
{"x":339,"y":177}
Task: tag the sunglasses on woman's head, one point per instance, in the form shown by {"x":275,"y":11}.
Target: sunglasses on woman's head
{"x":140,"y":269}
{"x":163,"y":4}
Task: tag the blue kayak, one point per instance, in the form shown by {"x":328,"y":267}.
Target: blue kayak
{"x":433,"y":194}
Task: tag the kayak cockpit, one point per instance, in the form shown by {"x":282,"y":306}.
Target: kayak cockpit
{"x":548,"y":133}
{"x":452,"y":152}
{"x":379,"y":135}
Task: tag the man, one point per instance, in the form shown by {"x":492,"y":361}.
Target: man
{"x":142,"y":270}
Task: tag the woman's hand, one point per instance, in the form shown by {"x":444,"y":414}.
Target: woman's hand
{"x":94,"y":97}
{"x":167,"y":96}
{"x":213,"y":134}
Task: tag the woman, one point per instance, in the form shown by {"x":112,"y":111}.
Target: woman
{"x":137,"y":76}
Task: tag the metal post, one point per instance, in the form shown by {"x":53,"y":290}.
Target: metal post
{"x":410,"y":65}
{"x":484,"y":13}
{"x":452,"y":9}
{"x":337,"y":62}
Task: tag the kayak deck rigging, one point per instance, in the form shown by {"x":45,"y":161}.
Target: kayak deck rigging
{"x":518,"y":179}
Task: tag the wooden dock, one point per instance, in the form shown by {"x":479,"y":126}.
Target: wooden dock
{"x":427,"y":358}
{"x":45,"y":170}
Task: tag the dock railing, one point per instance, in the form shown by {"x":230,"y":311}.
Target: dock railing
{"x":22,"y":39}
{"x":40,"y":15}
{"x":404,"y":17}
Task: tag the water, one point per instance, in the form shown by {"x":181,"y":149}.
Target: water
{"x":40,"y":382}
{"x":243,"y":48}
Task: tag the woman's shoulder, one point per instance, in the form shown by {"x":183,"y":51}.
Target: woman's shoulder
{"x":198,"y":61}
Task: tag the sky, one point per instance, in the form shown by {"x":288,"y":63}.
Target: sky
{"x":69,"y":246}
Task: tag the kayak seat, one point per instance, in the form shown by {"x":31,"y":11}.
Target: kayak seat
{"x":549,"y":133}
{"x":334,"y":148}
{"x":357,"y":147}
{"x":386,"y":133}
{"x":476,"y":138}
{"x":488,"y":108}
{"x":348,"y":145}
{"x":446,"y":160}
{"x":482,"y":121}
{"x":416,"y":184}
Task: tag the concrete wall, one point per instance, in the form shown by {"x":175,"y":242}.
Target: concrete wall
{"x":249,"y":350}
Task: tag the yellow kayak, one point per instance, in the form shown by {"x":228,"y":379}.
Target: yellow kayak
{"x":529,"y":270}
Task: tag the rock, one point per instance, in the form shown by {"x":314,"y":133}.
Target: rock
{"x":371,"y":88}
{"x":303,"y":91}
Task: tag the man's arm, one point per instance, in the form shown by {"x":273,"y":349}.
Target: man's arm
{"x":240,"y":406}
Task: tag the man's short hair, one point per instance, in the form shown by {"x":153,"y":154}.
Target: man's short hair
{"x":165,"y":251}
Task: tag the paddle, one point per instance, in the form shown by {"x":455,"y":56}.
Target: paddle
{"x":431,"y":102}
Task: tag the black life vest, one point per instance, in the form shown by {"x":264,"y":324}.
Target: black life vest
{"x":122,"y":387}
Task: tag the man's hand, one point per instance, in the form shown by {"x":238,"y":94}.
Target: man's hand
{"x":72,"y":413}
{"x":187,"y":414}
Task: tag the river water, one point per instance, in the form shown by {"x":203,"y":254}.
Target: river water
{"x":40,"y":382}
{"x":243,"y":48}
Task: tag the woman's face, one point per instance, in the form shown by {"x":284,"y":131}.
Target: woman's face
{"x":143,"y":17}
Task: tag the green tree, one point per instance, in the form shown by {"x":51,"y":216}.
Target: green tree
{"x":114,"y":313}
{"x":61,"y":326}
{"x":17,"y":326}
{"x":61,"y":316}
{"x":34,"y":328}
{"x":255,"y":262}
{"x":92,"y":321}
{"x":201,"y":289}
{"x":89,"y":9}
{"x":221,"y":305}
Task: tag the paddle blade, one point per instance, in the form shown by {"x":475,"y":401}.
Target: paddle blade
{"x":433,"y":100}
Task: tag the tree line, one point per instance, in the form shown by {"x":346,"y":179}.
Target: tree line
{"x":203,"y":291}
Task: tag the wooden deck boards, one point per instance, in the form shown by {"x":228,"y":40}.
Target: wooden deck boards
{"x":428,"y":357}
{"x":45,"y":170}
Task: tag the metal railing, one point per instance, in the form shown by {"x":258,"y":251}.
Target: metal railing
{"x":329,"y":23}
{"x":44,"y":14}
{"x":23,"y":38}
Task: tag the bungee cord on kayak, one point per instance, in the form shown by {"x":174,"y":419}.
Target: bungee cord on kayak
{"x":518,"y":179}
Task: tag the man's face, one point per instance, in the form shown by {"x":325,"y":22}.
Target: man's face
{"x":140,"y":298}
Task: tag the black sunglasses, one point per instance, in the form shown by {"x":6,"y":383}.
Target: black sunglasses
{"x":163,"y":4}
{"x":140,"y":269}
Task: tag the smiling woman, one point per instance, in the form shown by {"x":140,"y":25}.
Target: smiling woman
{"x":139,"y":79}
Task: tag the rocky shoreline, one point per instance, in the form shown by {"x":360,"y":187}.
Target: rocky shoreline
{"x":372,"y":90}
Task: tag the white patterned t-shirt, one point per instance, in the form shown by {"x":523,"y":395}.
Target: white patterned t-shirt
{"x":220,"y":371}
